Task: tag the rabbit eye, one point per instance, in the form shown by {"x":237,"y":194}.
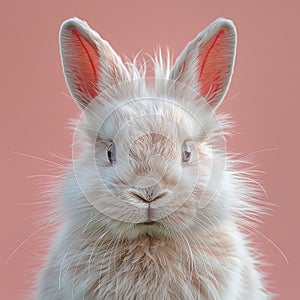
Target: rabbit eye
{"x":186,"y":152}
{"x":111,"y":153}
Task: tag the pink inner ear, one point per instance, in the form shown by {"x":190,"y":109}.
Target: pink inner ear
{"x":85,"y":60}
{"x":213,"y":64}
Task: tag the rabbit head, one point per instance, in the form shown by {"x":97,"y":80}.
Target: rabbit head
{"x":150,"y":154}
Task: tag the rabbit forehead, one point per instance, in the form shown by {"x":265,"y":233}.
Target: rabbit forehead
{"x":149,"y":115}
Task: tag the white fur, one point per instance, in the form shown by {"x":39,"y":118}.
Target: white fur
{"x":198,"y":250}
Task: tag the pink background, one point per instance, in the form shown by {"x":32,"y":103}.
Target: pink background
{"x":35,"y":110}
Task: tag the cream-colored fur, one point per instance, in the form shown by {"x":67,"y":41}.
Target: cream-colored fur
{"x":194,"y":248}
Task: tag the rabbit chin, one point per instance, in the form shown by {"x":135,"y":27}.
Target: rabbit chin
{"x":171,"y":227}
{"x":156,"y":231}
{"x":153,"y":229}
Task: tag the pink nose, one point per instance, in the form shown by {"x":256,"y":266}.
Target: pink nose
{"x":148,"y":194}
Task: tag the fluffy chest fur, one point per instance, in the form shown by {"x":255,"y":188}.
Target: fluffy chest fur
{"x":202,"y":268}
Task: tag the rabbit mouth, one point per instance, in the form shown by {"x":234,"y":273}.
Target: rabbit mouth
{"x":148,"y":223}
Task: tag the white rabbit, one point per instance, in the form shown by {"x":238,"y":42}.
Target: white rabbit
{"x":152,"y":206}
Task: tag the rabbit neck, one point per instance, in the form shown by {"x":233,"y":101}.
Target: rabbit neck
{"x":122,"y":269}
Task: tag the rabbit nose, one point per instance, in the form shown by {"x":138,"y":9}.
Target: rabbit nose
{"x":149,"y":195}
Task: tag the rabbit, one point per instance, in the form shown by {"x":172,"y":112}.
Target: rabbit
{"x":152,"y":206}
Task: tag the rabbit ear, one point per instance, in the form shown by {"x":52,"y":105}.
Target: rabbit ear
{"x":207,"y":61}
{"x":90,"y":65}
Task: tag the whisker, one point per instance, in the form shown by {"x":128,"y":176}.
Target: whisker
{"x":256,"y":152}
{"x":271,"y":242}
{"x":24,"y":241}
{"x":40,"y":158}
